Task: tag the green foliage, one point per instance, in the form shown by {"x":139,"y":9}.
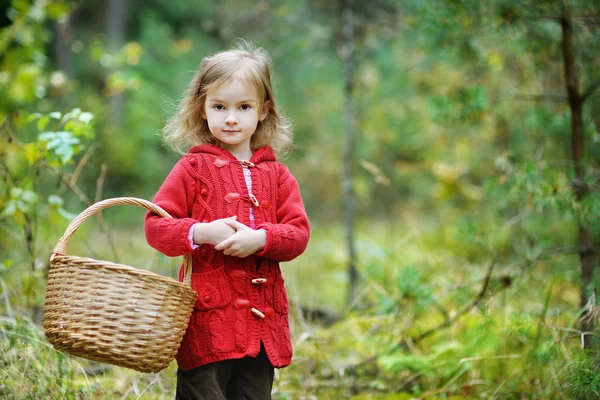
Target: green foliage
{"x":32,"y":369}
{"x":26,"y":357}
{"x":64,"y":144}
{"x":25,"y":197}
{"x":583,"y":376}
{"x":20,"y":201}
{"x":34,"y":146}
{"x":23,"y":79}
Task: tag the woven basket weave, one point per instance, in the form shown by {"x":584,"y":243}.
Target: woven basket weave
{"x":115,"y":313}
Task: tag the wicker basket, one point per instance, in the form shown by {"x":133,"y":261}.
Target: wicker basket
{"x":114,"y":313}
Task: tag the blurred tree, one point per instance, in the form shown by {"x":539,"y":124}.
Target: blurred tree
{"x":63,"y":55}
{"x":579,"y":23}
{"x":353,"y":21}
{"x":348,"y":145}
{"x":587,"y":254}
{"x":115,"y":37}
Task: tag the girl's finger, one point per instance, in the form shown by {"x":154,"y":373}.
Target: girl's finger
{"x":225,"y":244}
{"x":235,"y":224}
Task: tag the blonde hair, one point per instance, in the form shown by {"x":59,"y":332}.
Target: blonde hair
{"x":188,"y":128}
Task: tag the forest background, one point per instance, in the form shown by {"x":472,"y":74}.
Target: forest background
{"x":447,"y":153}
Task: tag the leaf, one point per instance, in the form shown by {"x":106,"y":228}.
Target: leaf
{"x":46,"y":135}
{"x":65,"y":152}
{"x":29,"y":196}
{"x":376,"y":172}
{"x":6,"y":264}
{"x":398,"y":362}
{"x":10,"y":209}
{"x":86,"y":117}
{"x":16,"y":192}
{"x":55,"y":200}
{"x":62,"y":143}
{"x":21,"y":200}
{"x":43,"y":122}
{"x":74,"y":113}
{"x":22,"y":206}
{"x":31,"y":153}
{"x":57,"y":9}
{"x":66,"y":214}
{"x":33,"y":116}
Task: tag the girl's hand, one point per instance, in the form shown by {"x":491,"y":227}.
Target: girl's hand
{"x":244,"y":242}
{"x":214,"y":232}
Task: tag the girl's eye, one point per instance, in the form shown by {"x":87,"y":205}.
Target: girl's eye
{"x":218,"y":107}
{"x":245,"y":107}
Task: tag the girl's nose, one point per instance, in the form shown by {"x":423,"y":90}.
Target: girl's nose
{"x":231,"y":119}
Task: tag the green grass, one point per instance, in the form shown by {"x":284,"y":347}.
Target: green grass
{"x":520,"y":341}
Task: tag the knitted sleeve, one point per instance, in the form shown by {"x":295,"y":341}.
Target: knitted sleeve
{"x":288,"y":238}
{"x":175,"y":196}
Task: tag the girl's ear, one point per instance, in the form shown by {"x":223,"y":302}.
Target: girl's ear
{"x":266,"y":109}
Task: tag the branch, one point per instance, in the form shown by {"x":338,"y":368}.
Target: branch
{"x":555,"y":98}
{"x":8,"y":179}
{"x":465,"y":310}
{"x":12,"y":137}
{"x":85,"y":200}
{"x":541,"y":16}
{"x":100,"y":182}
{"x":578,"y":333}
{"x":546,"y":254}
{"x":74,"y":188}
{"x":99,"y":186}
{"x":448,"y":322}
{"x":82,"y":162}
{"x":557,"y":17}
{"x":315,"y":314}
{"x":590,"y":90}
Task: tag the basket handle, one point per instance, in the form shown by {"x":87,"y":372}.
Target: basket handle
{"x":63,"y":242}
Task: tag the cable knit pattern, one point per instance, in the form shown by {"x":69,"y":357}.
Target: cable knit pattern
{"x":285,"y":237}
{"x":207,"y":184}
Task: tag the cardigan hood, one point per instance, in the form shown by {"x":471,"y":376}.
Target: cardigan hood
{"x":260,"y":155}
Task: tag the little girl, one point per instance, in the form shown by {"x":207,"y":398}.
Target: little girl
{"x":239,"y":212}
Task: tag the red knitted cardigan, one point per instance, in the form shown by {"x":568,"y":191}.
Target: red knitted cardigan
{"x":207,"y":184}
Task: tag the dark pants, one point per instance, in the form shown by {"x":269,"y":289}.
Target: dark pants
{"x":247,"y":379}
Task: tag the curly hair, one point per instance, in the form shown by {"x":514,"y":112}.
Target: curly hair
{"x":188,"y":128}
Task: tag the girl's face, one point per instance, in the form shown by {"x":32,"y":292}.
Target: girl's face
{"x":232,"y":112}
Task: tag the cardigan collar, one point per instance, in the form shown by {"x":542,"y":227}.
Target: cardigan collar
{"x":262,"y":154}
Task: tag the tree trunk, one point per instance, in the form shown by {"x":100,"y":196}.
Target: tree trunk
{"x":64,"y":59}
{"x":586,"y":255}
{"x":348,"y":156}
{"x":115,"y":31}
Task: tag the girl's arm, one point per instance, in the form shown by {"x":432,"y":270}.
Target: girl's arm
{"x":175,"y":196}
{"x":288,"y":238}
